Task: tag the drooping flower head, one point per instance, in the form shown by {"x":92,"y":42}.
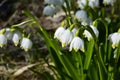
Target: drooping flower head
{"x":26,"y":44}
{"x":88,"y":22}
{"x":59,"y":32}
{"x":16,"y":37}
{"x":81,"y":15}
{"x":93,"y":3}
{"x":88,"y":35}
{"x":3,"y":40}
{"x":115,"y":39}
{"x":82,"y":3}
{"x":76,"y":44}
{"x":66,"y":37}
{"x":49,"y":10}
{"x":8,"y":33}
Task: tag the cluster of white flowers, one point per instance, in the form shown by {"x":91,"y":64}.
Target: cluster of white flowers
{"x":70,"y":37}
{"x":15,"y":36}
{"x":52,"y":7}
{"x":93,"y":3}
{"x":67,"y":36}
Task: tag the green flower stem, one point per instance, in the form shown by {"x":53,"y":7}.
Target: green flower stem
{"x":113,"y":10}
{"x":99,"y":57}
{"x":106,"y":38}
{"x":81,"y":66}
{"x":64,"y":10}
{"x":68,"y":7}
{"x":103,"y":12}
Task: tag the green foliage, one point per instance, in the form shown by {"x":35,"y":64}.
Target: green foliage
{"x":97,"y":59}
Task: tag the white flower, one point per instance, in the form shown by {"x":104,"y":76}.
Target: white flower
{"x":66,"y":37}
{"x":3,"y":40}
{"x":81,"y":15}
{"x":59,"y":32}
{"x":87,"y":34}
{"x":16,"y":37}
{"x":115,"y":39}
{"x":8,"y":34}
{"x":111,"y":2}
{"x":88,"y":22}
{"x":82,"y":3}
{"x":93,"y":3}
{"x":49,"y":10}
{"x":76,"y":44}
{"x":26,"y":44}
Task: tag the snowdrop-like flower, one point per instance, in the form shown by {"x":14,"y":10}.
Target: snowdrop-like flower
{"x":59,"y":32}
{"x":115,"y":39}
{"x":76,"y":44}
{"x":16,"y":37}
{"x":81,"y":15}
{"x":3,"y":40}
{"x":8,"y":34}
{"x":88,"y":35}
{"x":88,"y":22}
{"x":111,"y":2}
{"x":49,"y":10}
{"x":26,"y":44}
{"x":82,"y":3}
{"x":66,"y":37}
{"x":93,"y":3}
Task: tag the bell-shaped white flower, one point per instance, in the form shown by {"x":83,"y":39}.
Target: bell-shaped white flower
{"x":26,"y":44}
{"x":8,"y":33}
{"x":76,"y":44}
{"x":82,"y":3}
{"x":93,"y":3}
{"x":49,"y":10}
{"x":109,"y":2}
{"x":59,"y":32}
{"x":16,"y":37}
{"x":66,"y":37}
{"x":81,"y":15}
{"x":88,"y":35}
{"x":115,"y":39}
{"x":88,"y":22}
{"x":3,"y":40}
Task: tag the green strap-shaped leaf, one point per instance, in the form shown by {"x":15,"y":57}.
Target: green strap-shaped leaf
{"x":88,"y":54}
